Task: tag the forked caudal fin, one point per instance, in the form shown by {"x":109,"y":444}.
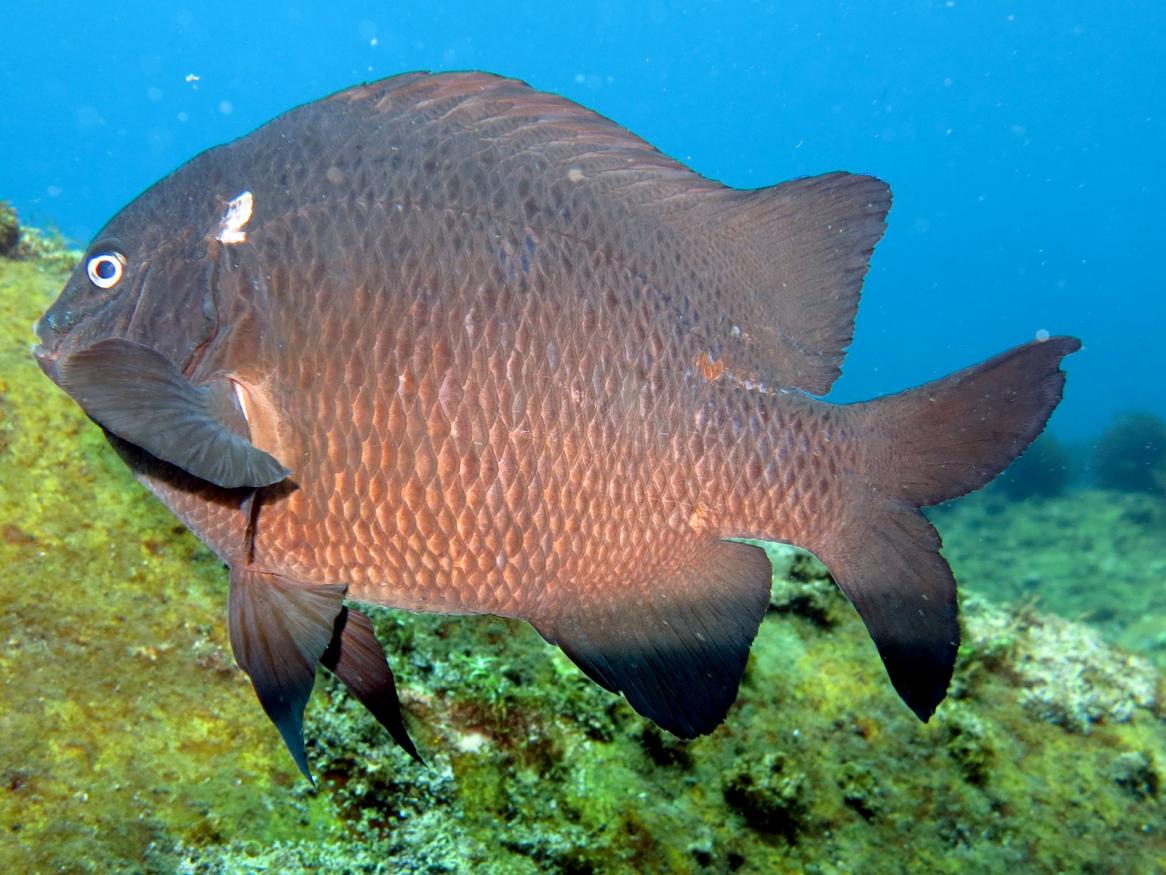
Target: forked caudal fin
{"x":922,"y":447}
{"x":280,"y":630}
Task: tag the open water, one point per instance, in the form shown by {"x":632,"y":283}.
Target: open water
{"x":1023,"y":140}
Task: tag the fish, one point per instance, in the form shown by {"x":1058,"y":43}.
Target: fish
{"x":446,"y":343}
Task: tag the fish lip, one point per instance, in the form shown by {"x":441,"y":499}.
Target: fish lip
{"x":47,"y":359}
{"x":49,"y":338}
{"x":47,"y":335}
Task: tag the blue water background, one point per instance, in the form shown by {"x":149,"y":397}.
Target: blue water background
{"x":1025,"y":141}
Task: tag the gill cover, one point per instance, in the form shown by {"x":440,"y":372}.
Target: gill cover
{"x":139,"y":395}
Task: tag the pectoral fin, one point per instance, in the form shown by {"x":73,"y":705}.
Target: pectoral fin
{"x":139,"y":395}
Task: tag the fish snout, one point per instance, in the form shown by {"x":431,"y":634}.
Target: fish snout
{"x":47,"y":360}
{"x":47,"y":350}
{"x":53,"y":325}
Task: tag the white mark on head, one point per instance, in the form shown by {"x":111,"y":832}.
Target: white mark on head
{"x":575,"y":174}
{"x":235,"y":219}
{"x":241,"y":397}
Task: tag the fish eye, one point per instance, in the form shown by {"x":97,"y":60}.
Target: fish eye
{"x":106,"y":269}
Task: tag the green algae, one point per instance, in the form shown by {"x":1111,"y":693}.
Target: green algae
{"x":1094,"y":555}
{"x":130,"y":743}
{"x":9,"y":230}
{"x":125,"y":725}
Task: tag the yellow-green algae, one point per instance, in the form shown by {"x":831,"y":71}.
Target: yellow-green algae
{"x":1097,"y":555}
{"x":129,"y":743}
{"x":124,"y":725}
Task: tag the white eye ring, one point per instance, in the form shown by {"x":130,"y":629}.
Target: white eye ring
{"x":106,"y":269}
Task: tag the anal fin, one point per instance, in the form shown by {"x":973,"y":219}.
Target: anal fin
{"x":279,"y":630}
{"x":357,"y":658}
{"x":676,"y":644}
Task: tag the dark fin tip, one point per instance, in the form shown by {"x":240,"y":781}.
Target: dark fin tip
{"x":885,"y":558}
{"x":279,"y":629}
{"x":677,"y":647}
{"x":356,"y":657}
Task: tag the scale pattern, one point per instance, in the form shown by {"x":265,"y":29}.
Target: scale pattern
{"x":502,"y":414}
{"x":517,"y":361}
{"x":502,"y":369}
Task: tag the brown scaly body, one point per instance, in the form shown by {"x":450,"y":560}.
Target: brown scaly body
{"x":492,"y":448}
{"x":515,"y":361}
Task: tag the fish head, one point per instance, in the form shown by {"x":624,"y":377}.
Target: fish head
{"x":132,"y":336}
{"x":148,"y":278}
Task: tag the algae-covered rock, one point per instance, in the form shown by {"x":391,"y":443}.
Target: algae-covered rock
{"x":9,"y":230}
{"x":1091,"y":554}
{"x":130,"y":743}
{"x":1137,"y":773}
{"x":48,"y":249}
{"x":770,"y":793}
{"x":1131,"y":454}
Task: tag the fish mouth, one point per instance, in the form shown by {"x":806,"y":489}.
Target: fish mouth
{"x":46,"y":329}
{"x":47,"y":359}
{"x":48,"y":337}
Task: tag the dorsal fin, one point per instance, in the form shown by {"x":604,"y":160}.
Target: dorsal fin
{"x":772,"y":276}
{"x":797,"y":253}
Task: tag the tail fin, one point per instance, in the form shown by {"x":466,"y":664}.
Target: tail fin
{"x":922,"y":447}
{"x":952,"y":436}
